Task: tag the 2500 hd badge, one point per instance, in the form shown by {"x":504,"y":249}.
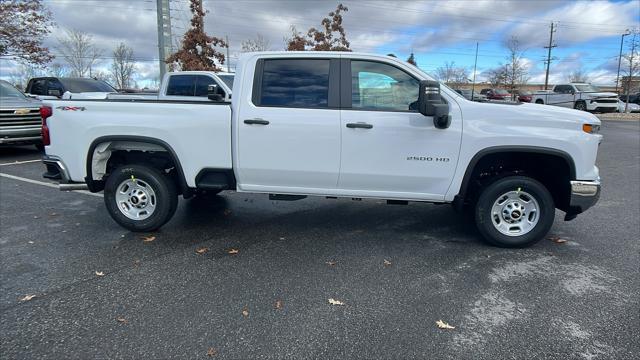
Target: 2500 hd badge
{"x":428,"y":158}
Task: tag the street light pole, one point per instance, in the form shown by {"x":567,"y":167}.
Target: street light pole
{"x":473,"y":86}
{"x":627,"y":32}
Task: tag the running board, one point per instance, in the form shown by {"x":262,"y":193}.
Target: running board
{"x":283,"y":197}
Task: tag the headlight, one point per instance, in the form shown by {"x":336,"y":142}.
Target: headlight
{"x":591,"y":128}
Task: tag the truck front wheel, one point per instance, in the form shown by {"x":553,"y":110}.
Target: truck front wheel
{"x":140,"y":198}
{"x":515,"y":211}
{"x":581,"y":105}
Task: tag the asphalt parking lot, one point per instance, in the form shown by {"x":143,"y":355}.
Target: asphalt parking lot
{"x":397,"y":269}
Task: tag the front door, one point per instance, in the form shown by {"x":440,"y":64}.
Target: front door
{"x":389,"y":149}
{"x":289,"y":135}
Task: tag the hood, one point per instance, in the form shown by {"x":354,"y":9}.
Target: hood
{"x":19,"y":103}
{"x":603,"y":95}
{"x":85,"y":95}
{"x":544,"y":115}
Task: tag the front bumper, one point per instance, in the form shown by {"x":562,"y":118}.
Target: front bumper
{"x":584,"y":194}
{"x":20,"y":134}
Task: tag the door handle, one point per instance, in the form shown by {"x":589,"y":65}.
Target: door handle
{"x":359,"y":125}
{"x":256,"y":122}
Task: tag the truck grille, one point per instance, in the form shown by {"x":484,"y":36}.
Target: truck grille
{"x":607,"y":101}
{"x":9,"y":118}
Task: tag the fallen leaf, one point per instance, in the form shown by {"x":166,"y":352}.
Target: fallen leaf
{"x":331,"y":263}
{"x":557,"y":239}
{"x":53,"y":214}
{"x":136,"y":262}
{"x":202,"y":250}
{"x":233,"y":251}
{"x":148,"y":239}
{"x":443,"y":325}
{"x":30,"y":242}
{"x":245,"y":311}
{"x":278,"y":304}
{"x":27,"y":297}
{"x":64,"y":231}
{"x":335,"y":302}
{"x":227,"y":212}
{"x":212,"y":352}
{"x":386,"y":263}
{"x":99,"y":273}
{"x":35,"y":217}
{"x":122,"y":320}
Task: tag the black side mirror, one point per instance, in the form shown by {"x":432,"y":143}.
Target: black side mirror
{"x":54,"y":92}
{"x":213,"y":93}
{"x":430,"y":103}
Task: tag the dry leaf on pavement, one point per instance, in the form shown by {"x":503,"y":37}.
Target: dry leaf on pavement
{"x":557,"y":239}
{"x":148,"y":239}
{"x":27,"y":297}
{"x":443,"y":325}
{"x":278,"y":305}
{"x":30,"y":242}
{"x":331,"y":263}
{"x":99,"y":273}
{"x":245,"y":311}
{"x":202,"y":250}
{"x":335,"y":302}
{"x":212,"y":352}
{"x":122,"y":320}
{"x":233,"y":251}
{"x":386,"y":263}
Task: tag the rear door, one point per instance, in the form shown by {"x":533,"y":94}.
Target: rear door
{"x":289,"y":132}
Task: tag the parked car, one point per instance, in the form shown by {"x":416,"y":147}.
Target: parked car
{"x":45,"y":88}
{"x":579,"y":96}
{"x":523,"y":95}
{"x":20,"y":119}
{"x":397,"y":135}
{"x":467,"y":95}
{"x":631,"y":98}
{"x":186,"y":85}
{"x":496,"y":94}
{"x":630,"y":107}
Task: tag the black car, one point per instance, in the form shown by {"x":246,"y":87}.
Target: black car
{"x":633,"y":98}
{"x":52,"y":86}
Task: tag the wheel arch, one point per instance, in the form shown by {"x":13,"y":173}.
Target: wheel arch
{"x":97,"y":185}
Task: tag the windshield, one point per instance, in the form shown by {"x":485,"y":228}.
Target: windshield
{"x":587,"y":88}
{"x":86,"y":85}
{"x":228,"y":80}
{"x":8,"y":91}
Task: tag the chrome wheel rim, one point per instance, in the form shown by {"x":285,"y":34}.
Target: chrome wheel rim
{"x":136,"y":199}
{"x":515,"y":213}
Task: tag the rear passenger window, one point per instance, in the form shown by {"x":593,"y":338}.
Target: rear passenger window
{"x":181,"y":85}
{"x":295,"y":83}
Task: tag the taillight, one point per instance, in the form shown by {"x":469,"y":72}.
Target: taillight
{"x":45,"y":112}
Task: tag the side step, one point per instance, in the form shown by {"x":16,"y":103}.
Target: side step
{"x":283,"y":197}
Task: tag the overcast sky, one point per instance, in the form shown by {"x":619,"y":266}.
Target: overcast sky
{"x":588,"y":34}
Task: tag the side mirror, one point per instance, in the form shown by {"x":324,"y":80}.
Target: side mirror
{"x":430,"y":104}
{"x":213,"y":93}
{"x":54,"y":92}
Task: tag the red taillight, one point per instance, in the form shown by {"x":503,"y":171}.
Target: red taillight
{"x":45,"y":112}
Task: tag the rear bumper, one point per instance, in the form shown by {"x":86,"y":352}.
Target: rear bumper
{"x":584,"y":194}
{"x":56,"y":169}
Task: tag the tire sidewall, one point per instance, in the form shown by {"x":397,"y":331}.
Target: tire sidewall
{"x":163,"y":186}
{"x":581,"y":105}
{"x":499,"y":187}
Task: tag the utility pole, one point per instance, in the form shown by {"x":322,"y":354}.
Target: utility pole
{"x":228,"y":58}
{"x":627,"y":32}
{"x":551,"y":46}
{"x":473,"y":86}
{"x":164,"y":34}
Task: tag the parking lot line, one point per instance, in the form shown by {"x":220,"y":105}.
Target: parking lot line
{"x":31,"y":181}
{"x":20,"y":162}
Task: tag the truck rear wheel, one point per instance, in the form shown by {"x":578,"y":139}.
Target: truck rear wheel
{"x":515,"y":211}
{"x":140,"y":198}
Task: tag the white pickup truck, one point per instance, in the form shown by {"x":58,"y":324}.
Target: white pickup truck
{"x":331,"y":124}
{"x":186,"y":85}
{"x":579,"y":96}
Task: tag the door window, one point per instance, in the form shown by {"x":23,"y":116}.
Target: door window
{"x":39,"y":87}
{"x":181,"y":85}
{"x":202,"y":85}
{"x":300,"y":83}
{"x":378,"y":86}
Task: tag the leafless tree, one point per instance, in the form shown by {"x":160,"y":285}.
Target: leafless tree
{"x":23,"y":26}
{"x":578,"y":76}
{"x":516,"y":71}
{"x":79,"y":52}
{"x":450,"y":73}
{"x":57,"y":70}
{"x":123,"y":66}
{"x":102,"y":75}
{"x":498,"y":76}
{"x":21,"y":75}
{"x":631,"y":64}
{"x":259,"y":43}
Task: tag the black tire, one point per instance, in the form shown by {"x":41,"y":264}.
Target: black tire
{"x":166,"y":197}
{"x":580,"y":105}
{"x":539,"y":101}
{"x":490,"y":195}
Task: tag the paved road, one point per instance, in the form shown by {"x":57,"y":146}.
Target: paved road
{"x":558,"y":301}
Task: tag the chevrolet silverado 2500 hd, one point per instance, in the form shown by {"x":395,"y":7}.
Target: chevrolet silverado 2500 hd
{"x":579,"y":96}
{"x":331,"y":124}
